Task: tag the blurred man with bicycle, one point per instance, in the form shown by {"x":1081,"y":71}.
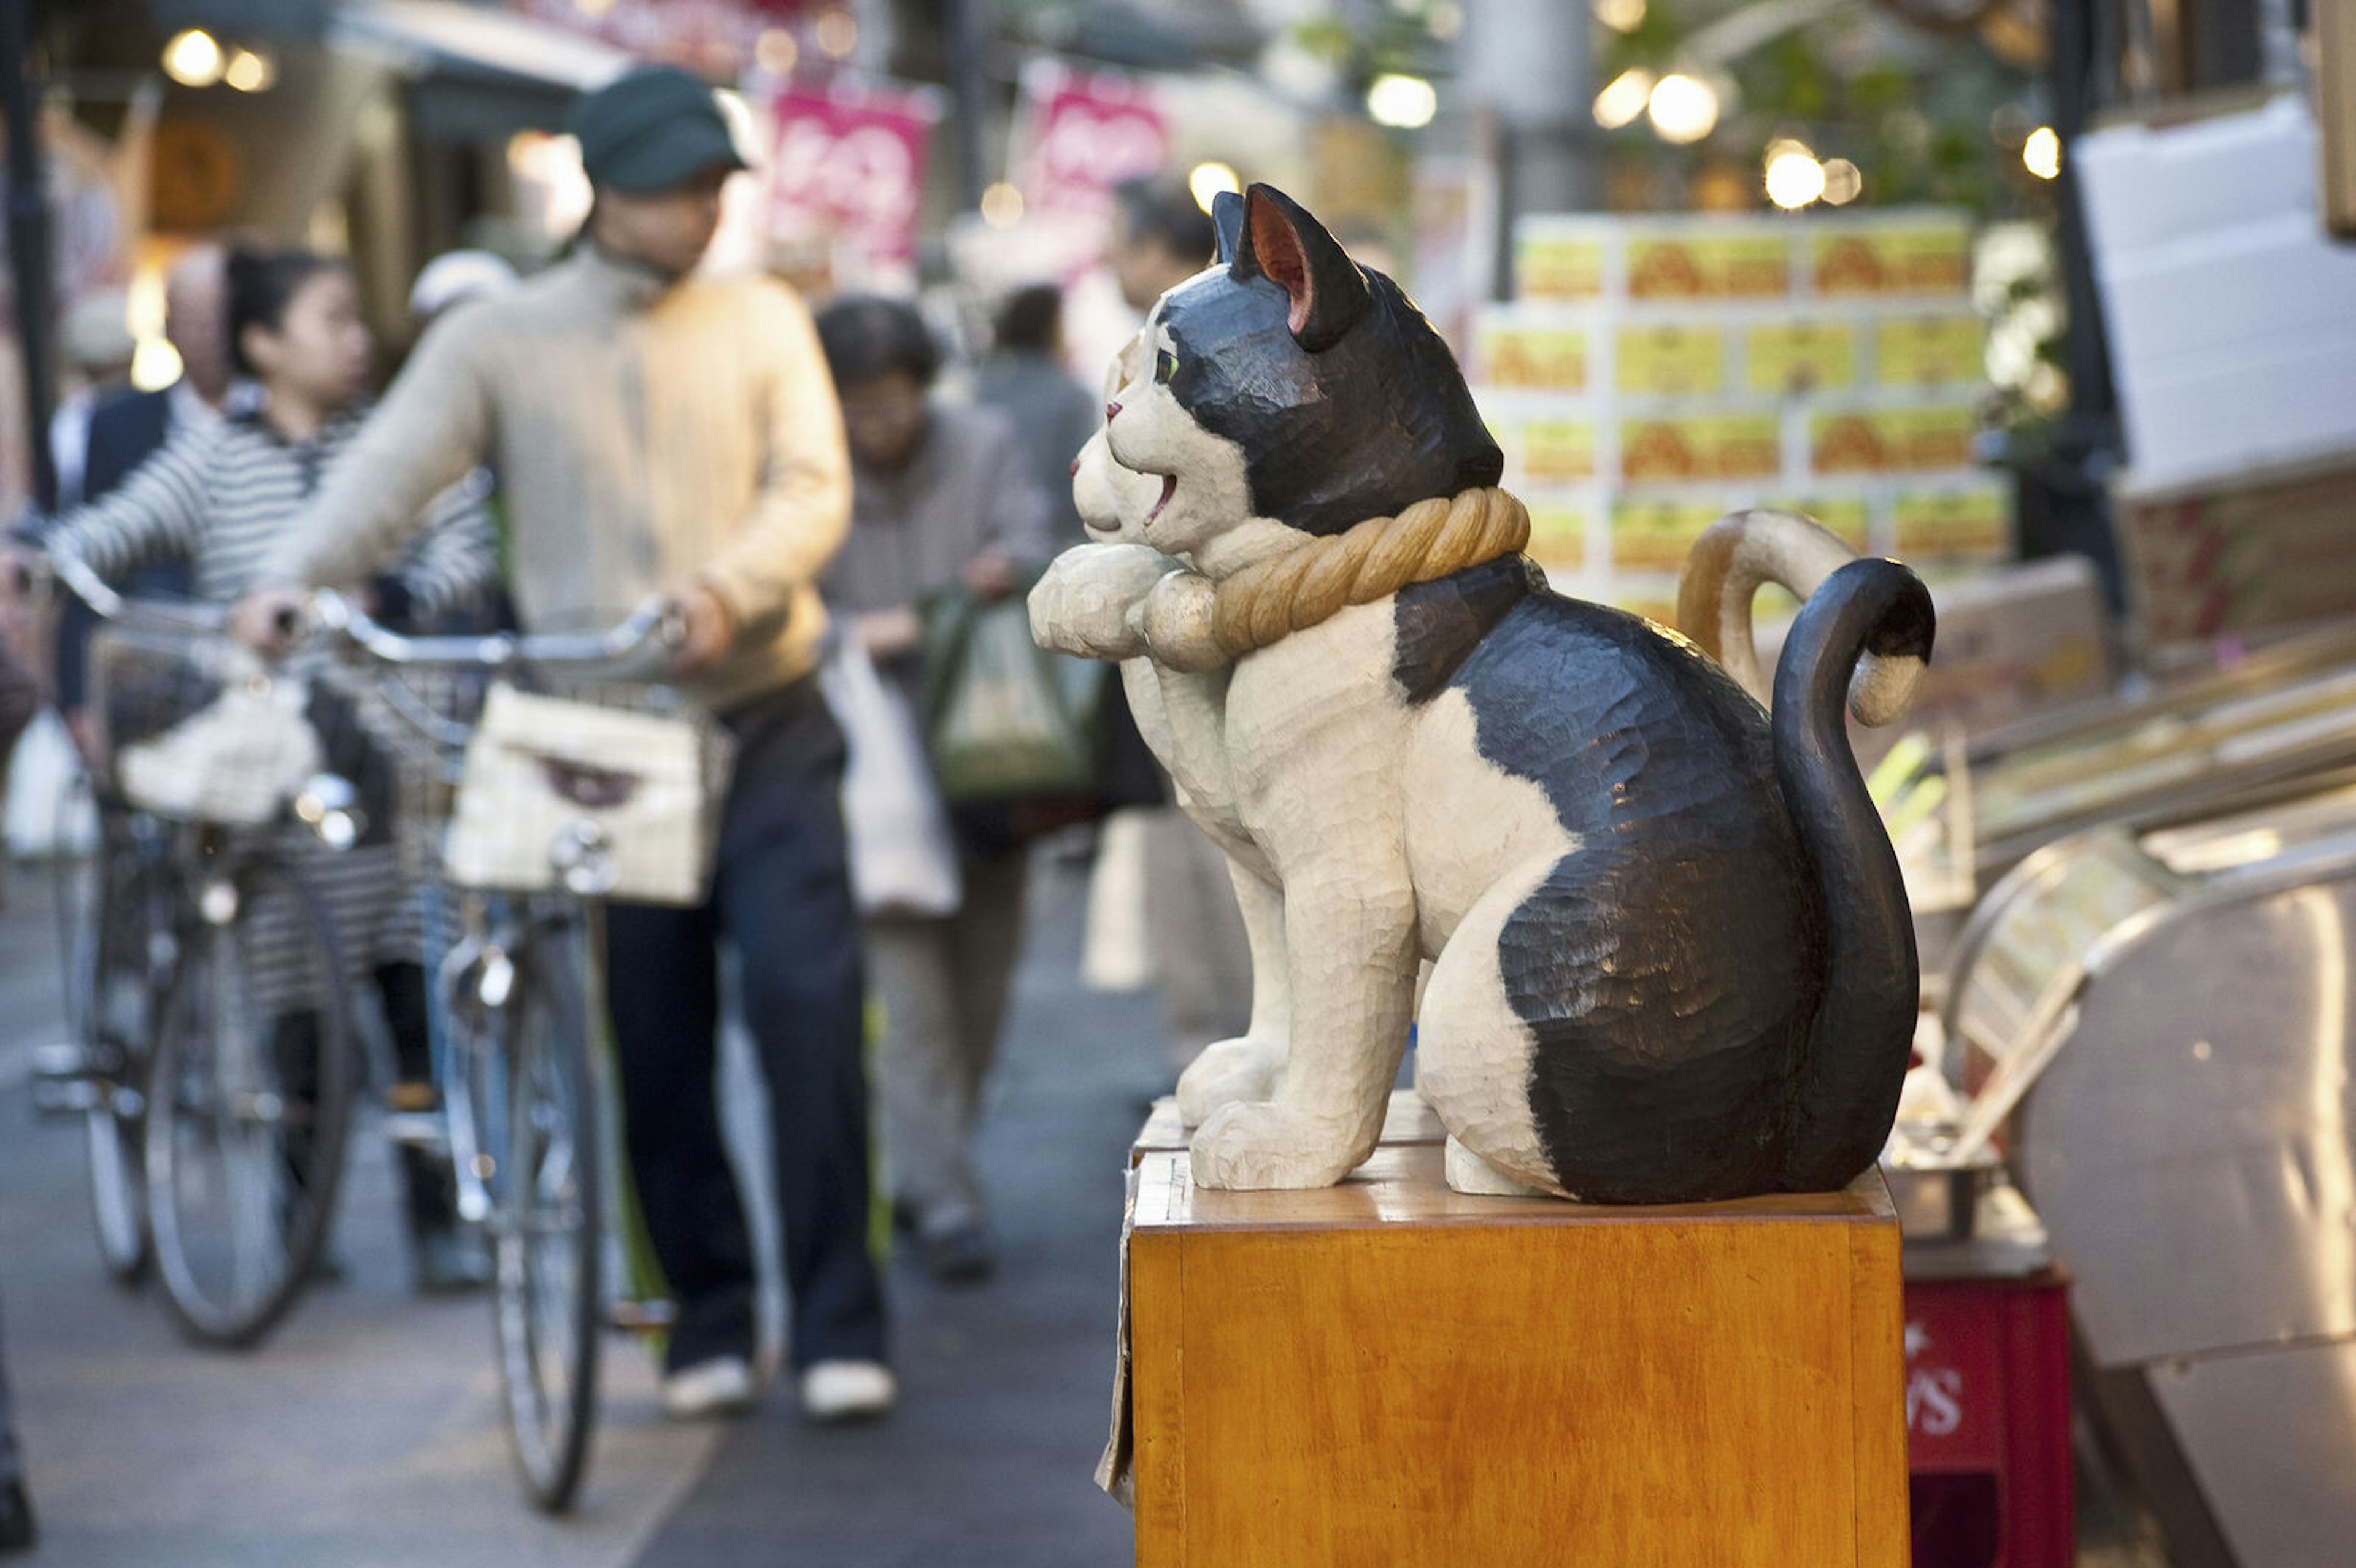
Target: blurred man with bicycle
{"x":655,"y":431}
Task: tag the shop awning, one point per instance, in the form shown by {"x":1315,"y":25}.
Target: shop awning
{"x":477,"y":72}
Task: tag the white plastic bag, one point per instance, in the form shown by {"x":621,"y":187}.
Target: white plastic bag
{"x":552,"y":786}
{"x":903,"y":859}
{"x":237,"y":760}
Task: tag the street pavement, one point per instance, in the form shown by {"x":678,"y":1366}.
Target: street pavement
{"x":365,"y":1434}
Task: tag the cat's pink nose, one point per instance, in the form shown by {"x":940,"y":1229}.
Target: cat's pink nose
{"x":1076,"y":468}
{"x":1112,"y":412}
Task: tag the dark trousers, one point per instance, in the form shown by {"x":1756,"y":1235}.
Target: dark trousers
{"x":12,"y":1463}
{"x":782,"y":897}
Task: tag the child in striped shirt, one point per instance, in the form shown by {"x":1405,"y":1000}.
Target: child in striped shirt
{"x":220,"y":496}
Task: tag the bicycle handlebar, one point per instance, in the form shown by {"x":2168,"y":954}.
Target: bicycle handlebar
{"x":156,"y":615}
{"x":655,"y":623}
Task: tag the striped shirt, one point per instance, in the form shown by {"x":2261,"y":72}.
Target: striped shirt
{"x":222,"y":495}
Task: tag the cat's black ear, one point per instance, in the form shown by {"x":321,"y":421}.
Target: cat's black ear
{"x":1279,"y":242}
{"x":1227,"y":217}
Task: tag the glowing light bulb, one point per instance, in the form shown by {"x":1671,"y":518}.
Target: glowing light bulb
{"x":1843,"y":183}
{"x":1210,"y":180}
{"x":1403,"y":102}
{"x":1001,"y":205}
{"x":1623,"y":98}
{"x":193,"y":58}
{"x":1794,"y":178}
{"x":2042,"y":153}
{"x":1621,"y":16}
{"x":1684,"y":108}
{"x":250,"y":70}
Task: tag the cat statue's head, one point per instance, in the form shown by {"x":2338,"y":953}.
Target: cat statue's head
{"x":1288,"y":388}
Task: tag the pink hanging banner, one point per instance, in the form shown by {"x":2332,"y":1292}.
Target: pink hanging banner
{"x":1082,"y":132}
{"x":847,"y":174}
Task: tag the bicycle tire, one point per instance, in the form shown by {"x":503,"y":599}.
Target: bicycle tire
{"x":213,"y":1068}
{"x":106,"y":912}
{"x":535,"y":1099}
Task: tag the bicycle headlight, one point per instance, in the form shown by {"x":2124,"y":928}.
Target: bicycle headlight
{"x":583,"y":857}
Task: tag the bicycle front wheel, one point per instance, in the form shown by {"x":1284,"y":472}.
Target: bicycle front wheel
{"x":248,"y":1104}
{"x":536,"y":1116}
{"x":110,"y":914}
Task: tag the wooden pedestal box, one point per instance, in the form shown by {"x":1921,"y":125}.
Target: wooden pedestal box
{"x":1386,"y":1373}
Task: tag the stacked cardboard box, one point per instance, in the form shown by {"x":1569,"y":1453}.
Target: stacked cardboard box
{"x":1656,"y":372}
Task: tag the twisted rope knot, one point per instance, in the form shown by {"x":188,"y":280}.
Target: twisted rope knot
{"x":1269,"y":602}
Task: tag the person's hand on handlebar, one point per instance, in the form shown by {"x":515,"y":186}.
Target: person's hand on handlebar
{"x":707,"y":628}
{"x":269,"y":620}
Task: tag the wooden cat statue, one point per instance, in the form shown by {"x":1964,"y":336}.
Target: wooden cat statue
{"x":1672,"y":956}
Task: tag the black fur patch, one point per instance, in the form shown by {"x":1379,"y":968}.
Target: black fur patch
{"x":1376,"y":422}
{"x":1668,"y":968}
{"x":1438,"y":624}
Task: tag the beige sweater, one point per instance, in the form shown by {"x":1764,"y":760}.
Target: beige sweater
{"x":642,"y":435}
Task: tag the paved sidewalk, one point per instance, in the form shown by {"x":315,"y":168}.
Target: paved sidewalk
{"x":365,"y":1434}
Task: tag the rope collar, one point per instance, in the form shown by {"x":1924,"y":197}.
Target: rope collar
{"x":1267,"y":602}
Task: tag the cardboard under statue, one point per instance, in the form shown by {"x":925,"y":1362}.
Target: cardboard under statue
{"x":1671,"y":954}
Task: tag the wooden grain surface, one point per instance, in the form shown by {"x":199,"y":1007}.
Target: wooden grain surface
{"x":1387,"y":1373}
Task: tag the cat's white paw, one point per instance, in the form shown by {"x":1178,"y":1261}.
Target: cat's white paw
{"x":1468,"y":1172}
{"x":1265,"y":1147}
{"x":1176,"y":621}
{"x":1085,"y":602}
{"x":1231,"y":1072}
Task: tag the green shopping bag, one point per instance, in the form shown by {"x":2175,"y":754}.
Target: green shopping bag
{"x":1007,"y":719}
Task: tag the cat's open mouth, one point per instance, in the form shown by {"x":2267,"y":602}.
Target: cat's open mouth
{"x":1169,"y":488}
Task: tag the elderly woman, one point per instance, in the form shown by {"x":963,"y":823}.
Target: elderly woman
{"x":940,"y":497}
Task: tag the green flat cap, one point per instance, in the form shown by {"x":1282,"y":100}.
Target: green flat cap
{"x":651,"y":129}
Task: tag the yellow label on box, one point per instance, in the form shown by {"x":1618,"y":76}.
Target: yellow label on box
{"x":1800,"y":356}
{"x":1849,"y":518}
{"x":1701,"y":446}
{"x":1913,"y":259}
{"x":1554,"y":267}
{"x":1551,"y":448}
{"x":1657,"y":535}
{"x":1726,"y":267}
{"x":1669,"y":359}
{"x":1517,"y":355}
{"x":1557,"y":535}
{"x":1892,"y":441}
{"x":1975,"y":523}
{"x":1929,"y":350}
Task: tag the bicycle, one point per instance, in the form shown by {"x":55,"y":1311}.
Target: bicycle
{"x":520,"y":1092}
{"x":213,"y":1058}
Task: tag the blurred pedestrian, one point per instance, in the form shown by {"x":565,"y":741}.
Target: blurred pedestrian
{"x":218,"y":494}
{"x":1161,"y":237}
{"x":657,"y":432}
{"x":17,"y":1530}
{"x":940,"y":498}
{"x":130,"y":426}
{"x":1053,"y":414}
{"x":96,"y":344}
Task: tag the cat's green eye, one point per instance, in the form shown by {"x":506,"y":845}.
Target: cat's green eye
{"x":1165,"y":366}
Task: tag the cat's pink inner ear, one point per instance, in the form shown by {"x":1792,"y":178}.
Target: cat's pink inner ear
{"x":1276,"y":247}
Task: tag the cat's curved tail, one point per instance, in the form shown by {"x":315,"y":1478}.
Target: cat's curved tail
{"x":1743,"y":552}
{"x":1864,"y":1028}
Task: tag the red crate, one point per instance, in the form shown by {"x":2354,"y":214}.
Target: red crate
{"x":1988,"y":1422}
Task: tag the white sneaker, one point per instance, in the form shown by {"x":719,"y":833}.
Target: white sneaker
{"x":721,"y":1386}
{"x":847,"y":1390}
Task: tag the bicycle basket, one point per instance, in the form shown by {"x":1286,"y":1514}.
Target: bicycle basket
{"x":607,"y":790}
{"x":196,"y":728}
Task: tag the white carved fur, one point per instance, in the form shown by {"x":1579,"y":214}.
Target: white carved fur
{"x":1182,"y":717}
